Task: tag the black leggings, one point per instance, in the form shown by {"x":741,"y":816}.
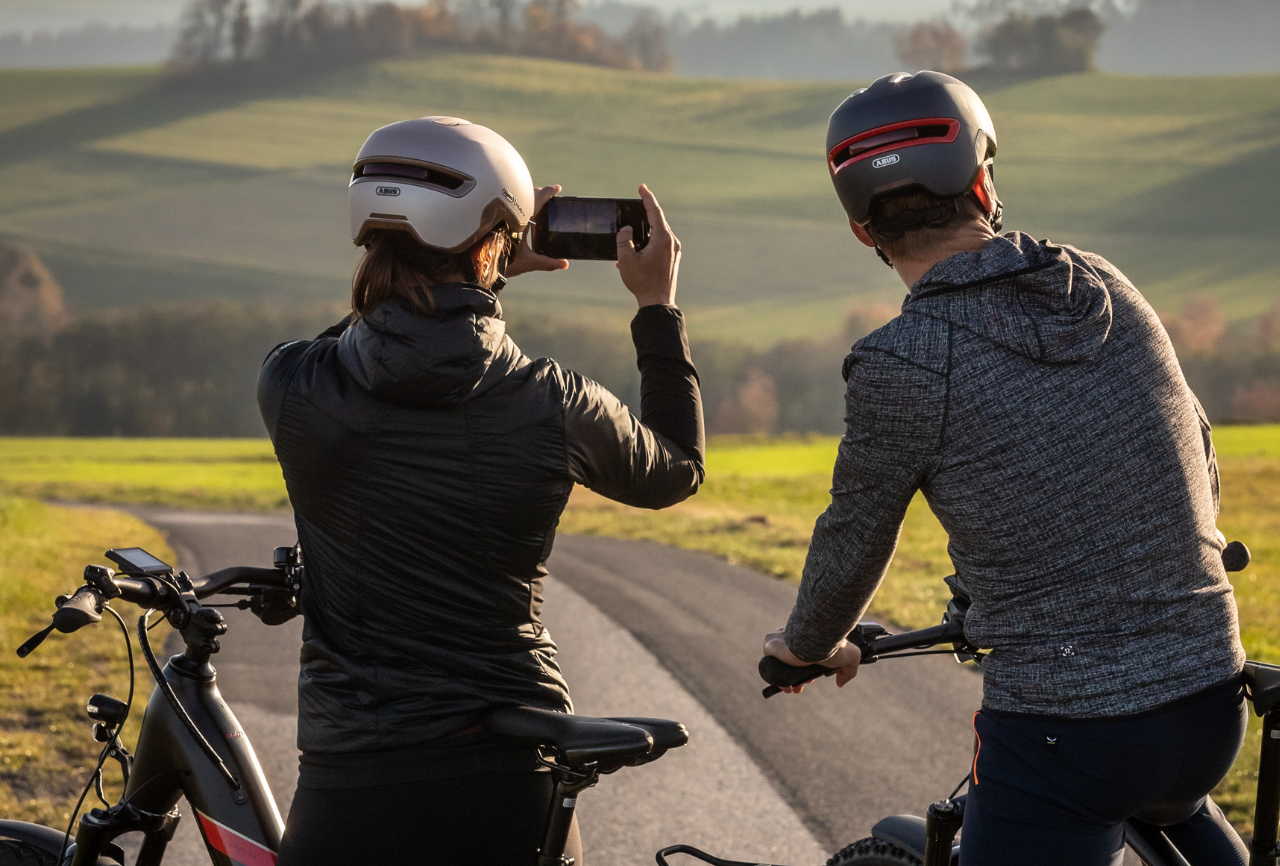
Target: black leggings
{"x":1056,"y":793}
{"x":493,"y":819}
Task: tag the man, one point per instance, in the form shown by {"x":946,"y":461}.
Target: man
{"x":1030,"y":393}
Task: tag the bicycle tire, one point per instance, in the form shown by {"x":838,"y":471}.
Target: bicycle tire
{"x":14,"y":852}
{"x":873,"y":852}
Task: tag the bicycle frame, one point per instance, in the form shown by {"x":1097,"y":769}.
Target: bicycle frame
{"x":238,"y":826}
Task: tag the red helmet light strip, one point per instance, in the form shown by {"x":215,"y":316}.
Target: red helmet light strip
{"x":951,"y":124}
{"x":239,"y":847}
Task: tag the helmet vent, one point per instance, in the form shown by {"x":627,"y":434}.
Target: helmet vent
{"x":892,"y":137}
{"x":429,"y":175}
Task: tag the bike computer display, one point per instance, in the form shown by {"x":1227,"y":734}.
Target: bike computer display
{"x":135,"y":560}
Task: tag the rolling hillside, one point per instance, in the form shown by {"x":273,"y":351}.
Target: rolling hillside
{"x":134,"y":193}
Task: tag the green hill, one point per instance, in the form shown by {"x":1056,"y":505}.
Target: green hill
{"x":134,"y":193}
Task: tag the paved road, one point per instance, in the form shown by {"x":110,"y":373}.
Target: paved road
{"x":645,"y":629}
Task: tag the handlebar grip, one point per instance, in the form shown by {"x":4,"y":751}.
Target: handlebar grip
{"x":79,"y":611}
{"x":776,"y":672}
{"x":1235,"y":556}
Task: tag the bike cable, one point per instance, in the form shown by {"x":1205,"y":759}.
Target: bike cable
{"x":178,"y":709}
{"x":95,"y":778}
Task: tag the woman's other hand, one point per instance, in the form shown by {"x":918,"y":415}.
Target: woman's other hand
{"x":650,"y":273}
{"x":845,"y":659}
{"x":525,"y":259}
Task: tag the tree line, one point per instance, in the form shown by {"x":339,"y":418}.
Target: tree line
{"x":309,"y":34}
{"x":821,"y":44}
{"x":191,"y":371}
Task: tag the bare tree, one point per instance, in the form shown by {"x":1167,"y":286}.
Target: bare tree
{"x":932,"y":45}
{"x":204,"y":32}
{"x":646,"y":38}
{"x":1044,"y":44}
{"x":506,"y":10}
{"x":241,"y":30}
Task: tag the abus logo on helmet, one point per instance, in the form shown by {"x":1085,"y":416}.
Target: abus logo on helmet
{"x":881,"y":162}
{"x":509,"y":197}
{"x":388,"y":190}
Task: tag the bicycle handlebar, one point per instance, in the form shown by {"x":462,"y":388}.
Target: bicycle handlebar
{"x":873,"y":642}
{"x":84,"y":606}
{"x":212,"y":584}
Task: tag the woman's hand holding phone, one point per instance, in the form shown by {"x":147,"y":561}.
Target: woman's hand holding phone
{"x":650,"y":274}
{"x":525,"y":259}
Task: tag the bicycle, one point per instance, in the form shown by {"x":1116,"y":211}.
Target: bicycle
{"x":911,"y":840}
{"x":190,"y":743}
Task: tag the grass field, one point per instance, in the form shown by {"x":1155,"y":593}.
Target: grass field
{"x":757,"y":508}
{"x":46,"y":749}
{"x":147,"y":195}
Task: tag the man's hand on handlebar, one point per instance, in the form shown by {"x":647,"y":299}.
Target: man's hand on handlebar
{"x":845,"y":659}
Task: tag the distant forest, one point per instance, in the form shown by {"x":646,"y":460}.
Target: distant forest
{"x":1023,"y":36}
{"x":305,"y":34}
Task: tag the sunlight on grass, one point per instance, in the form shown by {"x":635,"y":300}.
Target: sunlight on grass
{"x":757,"y":508}
{"x":46,"y":750}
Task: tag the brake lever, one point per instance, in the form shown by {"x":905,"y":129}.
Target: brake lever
{"x":74,"y":613}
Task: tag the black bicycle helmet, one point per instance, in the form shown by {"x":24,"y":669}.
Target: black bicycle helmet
{"x":925,"y":130}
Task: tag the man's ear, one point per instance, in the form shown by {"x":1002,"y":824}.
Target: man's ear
{"x":861,"y":233}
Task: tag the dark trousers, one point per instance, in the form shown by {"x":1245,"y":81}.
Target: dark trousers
{"x":1052,"y":791}
{"x":493,"y":819}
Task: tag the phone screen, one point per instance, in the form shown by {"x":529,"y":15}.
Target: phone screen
{"x":587,"y":228}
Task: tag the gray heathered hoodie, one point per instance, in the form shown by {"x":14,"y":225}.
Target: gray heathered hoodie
{"x":1030,"y":392}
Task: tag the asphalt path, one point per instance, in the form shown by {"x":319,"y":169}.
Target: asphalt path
{"x":650,"y":630}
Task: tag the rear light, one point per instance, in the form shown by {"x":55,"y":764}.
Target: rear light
{"x":895,"y":136}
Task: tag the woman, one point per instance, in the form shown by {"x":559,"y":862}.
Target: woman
{"x":428,"y":462}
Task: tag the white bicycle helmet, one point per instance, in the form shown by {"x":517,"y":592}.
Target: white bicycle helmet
{"x":446,"y":181}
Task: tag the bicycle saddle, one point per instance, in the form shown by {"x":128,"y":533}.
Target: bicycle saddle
{"x":579,"y":740}
{"x":1263,"y":682}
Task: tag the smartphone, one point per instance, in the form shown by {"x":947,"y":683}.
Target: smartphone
{"x":587,"y":228}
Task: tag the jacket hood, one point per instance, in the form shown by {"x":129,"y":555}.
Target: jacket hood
{"x":408,"y":358}
{"x":1032,"y":297}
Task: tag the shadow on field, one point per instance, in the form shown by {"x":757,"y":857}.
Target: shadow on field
{"x":1238,"y":196}
{"x":170,"y":98}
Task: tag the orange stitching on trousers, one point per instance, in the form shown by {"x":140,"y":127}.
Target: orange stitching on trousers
{"x":978,"y":750}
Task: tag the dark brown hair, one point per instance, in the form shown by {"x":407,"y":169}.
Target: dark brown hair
{"x":933,"y":219}
{"x":395,"y":265}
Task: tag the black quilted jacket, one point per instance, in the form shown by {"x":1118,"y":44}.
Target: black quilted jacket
{"x":428,"y":462}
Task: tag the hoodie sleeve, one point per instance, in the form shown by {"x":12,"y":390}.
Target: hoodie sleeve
{"x":656,"y":460}
{"x":895,"y":405}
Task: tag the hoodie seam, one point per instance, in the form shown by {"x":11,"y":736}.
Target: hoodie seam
{"x":985,"y":281}
{"x":1035,"y":328}
{"x":946,"y":398}
{"x":902,"y":359}
{"x":986,"y":338}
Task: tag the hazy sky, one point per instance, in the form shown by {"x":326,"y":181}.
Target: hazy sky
{"x":56,"y":14}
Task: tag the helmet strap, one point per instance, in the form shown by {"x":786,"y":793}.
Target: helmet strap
{"x":991,"y":205}
{"x":882,"y":256}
